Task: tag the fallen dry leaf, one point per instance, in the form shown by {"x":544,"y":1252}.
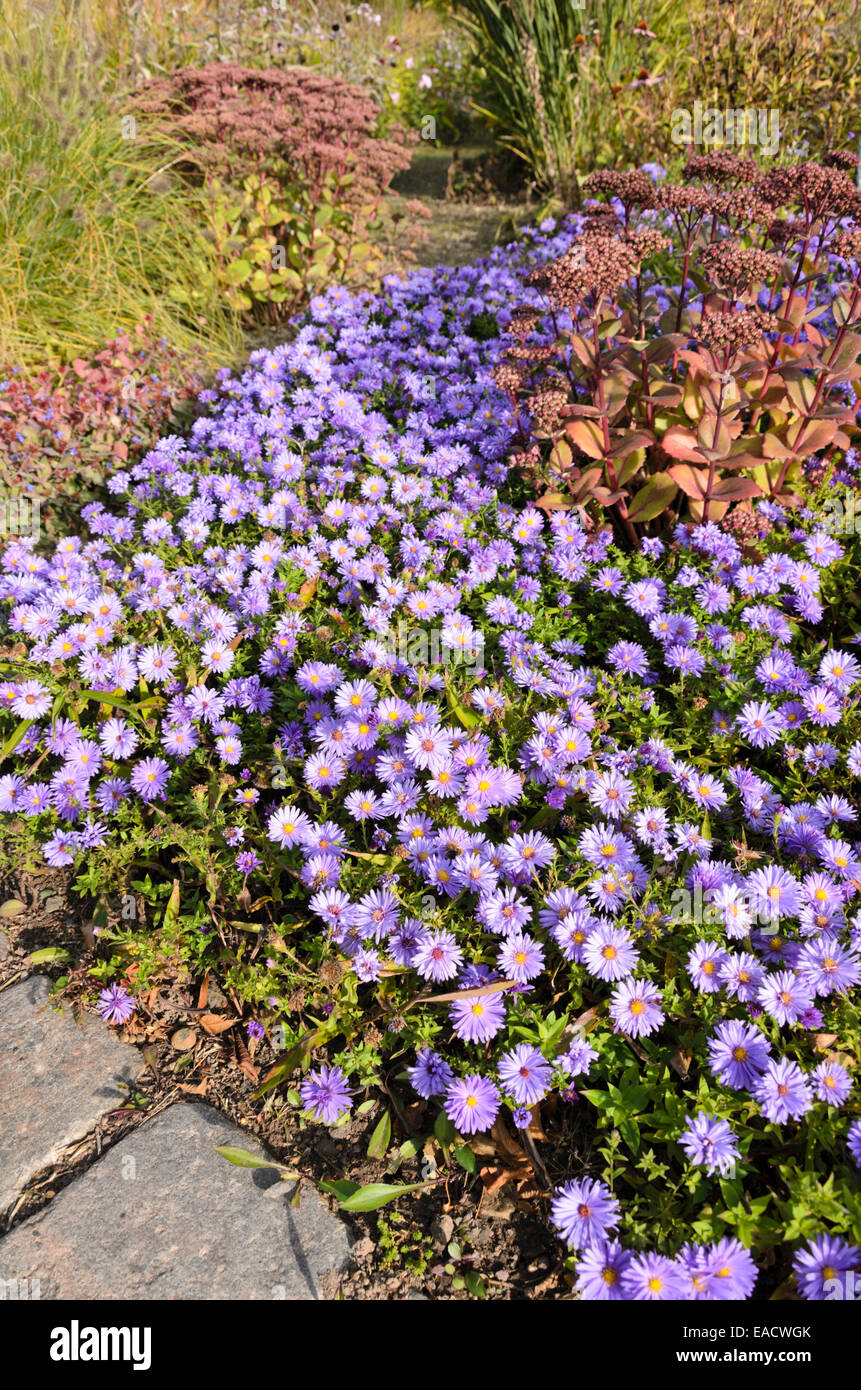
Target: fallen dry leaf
{"x":496,"y":1178}
{"x":681,"y":1062}
{"x":215,"y":1024}
{"x":506,"y":1145}
{"x":243,"y":1061}
{"x":183,"y":1039}
{"x":198,"y":1090}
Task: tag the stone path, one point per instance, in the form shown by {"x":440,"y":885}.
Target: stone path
{"x":160,"y":1215}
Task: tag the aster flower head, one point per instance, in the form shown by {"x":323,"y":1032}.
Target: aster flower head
{"x":471,"y":1103}
{"x":431,"y":1074}
{"x":710,"y":1142}
{"x":478,"y":1018}
{"x":635,"y":1008}
{"x":115,"y":1004}
{"x":653,"y":1278}
{"x":820,"y":1267}
{"x":583,"y":1212}
{"x":325,"y":1093}
{"x":738,"y":1053}
{"x":525,"y":1074}
{"x":600,"y":1271}
{"x":783,"y":1091}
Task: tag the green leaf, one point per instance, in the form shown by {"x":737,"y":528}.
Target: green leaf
{"x":377,"y":1194}
{"x":466,"y":1158}
{"x":444,"y":1130}
{"x":15,"y":738}
{"x":381,"y":1138}
{"x":342,"y":1188}
{"x":49,"y":953}
{"x":242,"y":1158}
{"x":654,"y":498}
{"x":468,"y":718}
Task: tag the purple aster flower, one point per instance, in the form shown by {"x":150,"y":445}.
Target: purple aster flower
{"x":738,"y":1052}
{"x":115,"y":1004}
{"x":724,"y":1271}
{"x":438,"y":957}
{"x":821,"y":705}
{"x":521,"y":957}
{"x":524,"y":1073}
{"x":653,"y":1277}
{"x":471,"y":1103}
{"x":818,"y":1267}
{"x":600,"y":1271}
{"x":60,"y":850}
{"x":610,"y":953}
{"x":710,"y":1143}
{"x":583,"y":1212}
{"x":255,"y":1029}
{"x":831,"y":1082}
{"x":783,"y":1091}
{"x":521,"y":1117}
{"x":578,"y":1059}
{"x":853,"y":1140}
{"x":326,"y":1095}
{"x":784,"y":996}
{"x":431,"y":1074}
{"x":478,"y":1019}
{"x":760,"y":723}
{"x":149,"y":778}
{"x":635,"y":1008}
{"x":247,"y":861}
{"x":704,"y":966}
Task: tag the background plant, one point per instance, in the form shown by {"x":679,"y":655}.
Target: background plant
{"x":721,"y":388}
{"x":95,"y":237}
{"x":292,"y":173}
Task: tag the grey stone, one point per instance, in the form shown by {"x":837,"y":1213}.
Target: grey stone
{"x":59,"y":1077}
{"x":163,"y":1216}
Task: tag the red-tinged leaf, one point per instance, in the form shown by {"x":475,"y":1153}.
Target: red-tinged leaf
{"x":734,"y":489}
{"x":583,"y":485}
{"x":667,"y":397}
{"x":631,"y":465}
{"x":660,"y":349}
{"x":635,"y":439}
{"x":587,"y":437}
{"x":554,"y":502}
{"x":583,"y":351}
{"x":681,"y":443}
{"x":654,"y":498}
{"x":692,"y":481}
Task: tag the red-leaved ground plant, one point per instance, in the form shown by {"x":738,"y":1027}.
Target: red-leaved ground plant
{"x":694,"y":343}
{"x":62,"y":429}
{"x":297,"y":178}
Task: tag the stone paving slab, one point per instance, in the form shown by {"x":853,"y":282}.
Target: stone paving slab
{"x":57,"y":1079}
{"x":163,"y":1216}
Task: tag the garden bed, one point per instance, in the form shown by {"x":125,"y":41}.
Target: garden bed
{"x":504,"y":797}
